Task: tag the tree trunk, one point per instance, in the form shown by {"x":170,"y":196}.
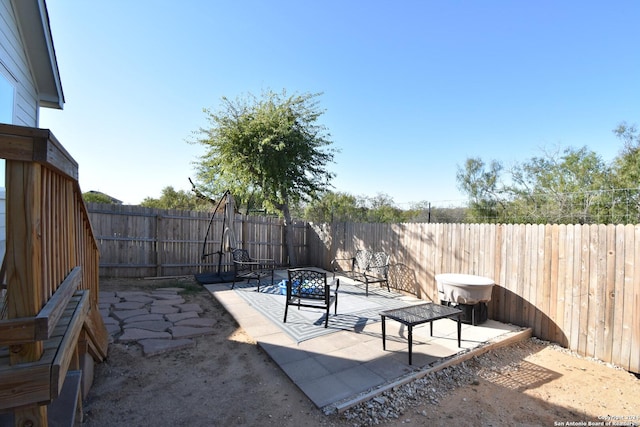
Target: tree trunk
{"x":288,"y":235}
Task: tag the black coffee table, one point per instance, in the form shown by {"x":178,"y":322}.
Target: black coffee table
{"x":418,"y":314}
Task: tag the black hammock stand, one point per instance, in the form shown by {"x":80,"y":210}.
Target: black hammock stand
{"x":218,"y":276}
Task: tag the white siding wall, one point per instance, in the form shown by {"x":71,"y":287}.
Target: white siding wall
{"x":15,"y":68}
{"x":13,"y":60}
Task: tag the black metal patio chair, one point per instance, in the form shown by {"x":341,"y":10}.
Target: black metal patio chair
{"x":247,"y":268}
{"x":366,"y":267}
{"x":309,"y":288}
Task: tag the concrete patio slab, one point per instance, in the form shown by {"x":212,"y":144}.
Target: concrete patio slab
{"x":339,"y":370}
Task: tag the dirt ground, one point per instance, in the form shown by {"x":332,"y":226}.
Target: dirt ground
{"x":227,"y":380}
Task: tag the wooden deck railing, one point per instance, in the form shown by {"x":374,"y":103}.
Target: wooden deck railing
{"x":51,"y":321}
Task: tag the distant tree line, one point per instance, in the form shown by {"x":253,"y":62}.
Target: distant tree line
{"x":344,"y":207}
{"x":568,"y":185}
{"x":329,"y":207}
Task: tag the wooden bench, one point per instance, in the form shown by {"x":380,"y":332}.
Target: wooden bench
{"x":58,"y":326}
{"x":365,"y":266}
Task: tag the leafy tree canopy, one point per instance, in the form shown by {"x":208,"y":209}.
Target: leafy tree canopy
{"x":172,"y":199}
{"x":334,"y":207}
{"x":344,"y":207}
{"x":272,"y":145}
{"x":626,"y":166}
{"x":97,"y":197}
{"x":481,"y":183}
{"x":382,"y":209}
{"x":566,"y":186}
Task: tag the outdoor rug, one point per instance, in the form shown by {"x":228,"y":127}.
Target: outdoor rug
{"x":355,"y":310}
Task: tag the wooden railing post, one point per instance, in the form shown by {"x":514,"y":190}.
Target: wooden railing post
{"x":24,"y":265}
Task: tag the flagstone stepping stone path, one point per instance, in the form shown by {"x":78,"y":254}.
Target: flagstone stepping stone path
{"x":159,"y":321}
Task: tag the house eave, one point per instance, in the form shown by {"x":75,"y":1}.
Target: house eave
{"x":33,"y":20}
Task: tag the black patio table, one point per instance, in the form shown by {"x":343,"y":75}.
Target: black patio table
{"x":417,"y":314}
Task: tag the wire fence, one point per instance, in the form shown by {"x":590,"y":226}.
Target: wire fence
{"x":614,"y":206}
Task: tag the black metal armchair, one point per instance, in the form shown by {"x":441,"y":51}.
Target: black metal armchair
{"x":247,"y":268}
{"x":309,"y":288}
{"x":366,"y":267}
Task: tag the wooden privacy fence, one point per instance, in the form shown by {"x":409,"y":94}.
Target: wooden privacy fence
{"x":142,"y":242}
{"x":577,"y":285}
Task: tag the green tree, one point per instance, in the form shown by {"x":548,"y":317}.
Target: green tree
{"x":562,"y":187}
{"x":335,"y":207}
{"x":559,"y":187}
{"x":626,"y":173}
{"x":97,"y":197}
{"x":481,"y":183}
{"x":448,"y":215}
{"x":425,"y":213}
{"x":273,"y":146}
{"x":172,"y":199}
{"x":382,"y":209}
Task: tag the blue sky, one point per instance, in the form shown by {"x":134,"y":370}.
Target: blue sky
{"x":411,"y":89}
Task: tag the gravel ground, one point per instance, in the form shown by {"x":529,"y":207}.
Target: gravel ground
{"x":434,"y":388}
